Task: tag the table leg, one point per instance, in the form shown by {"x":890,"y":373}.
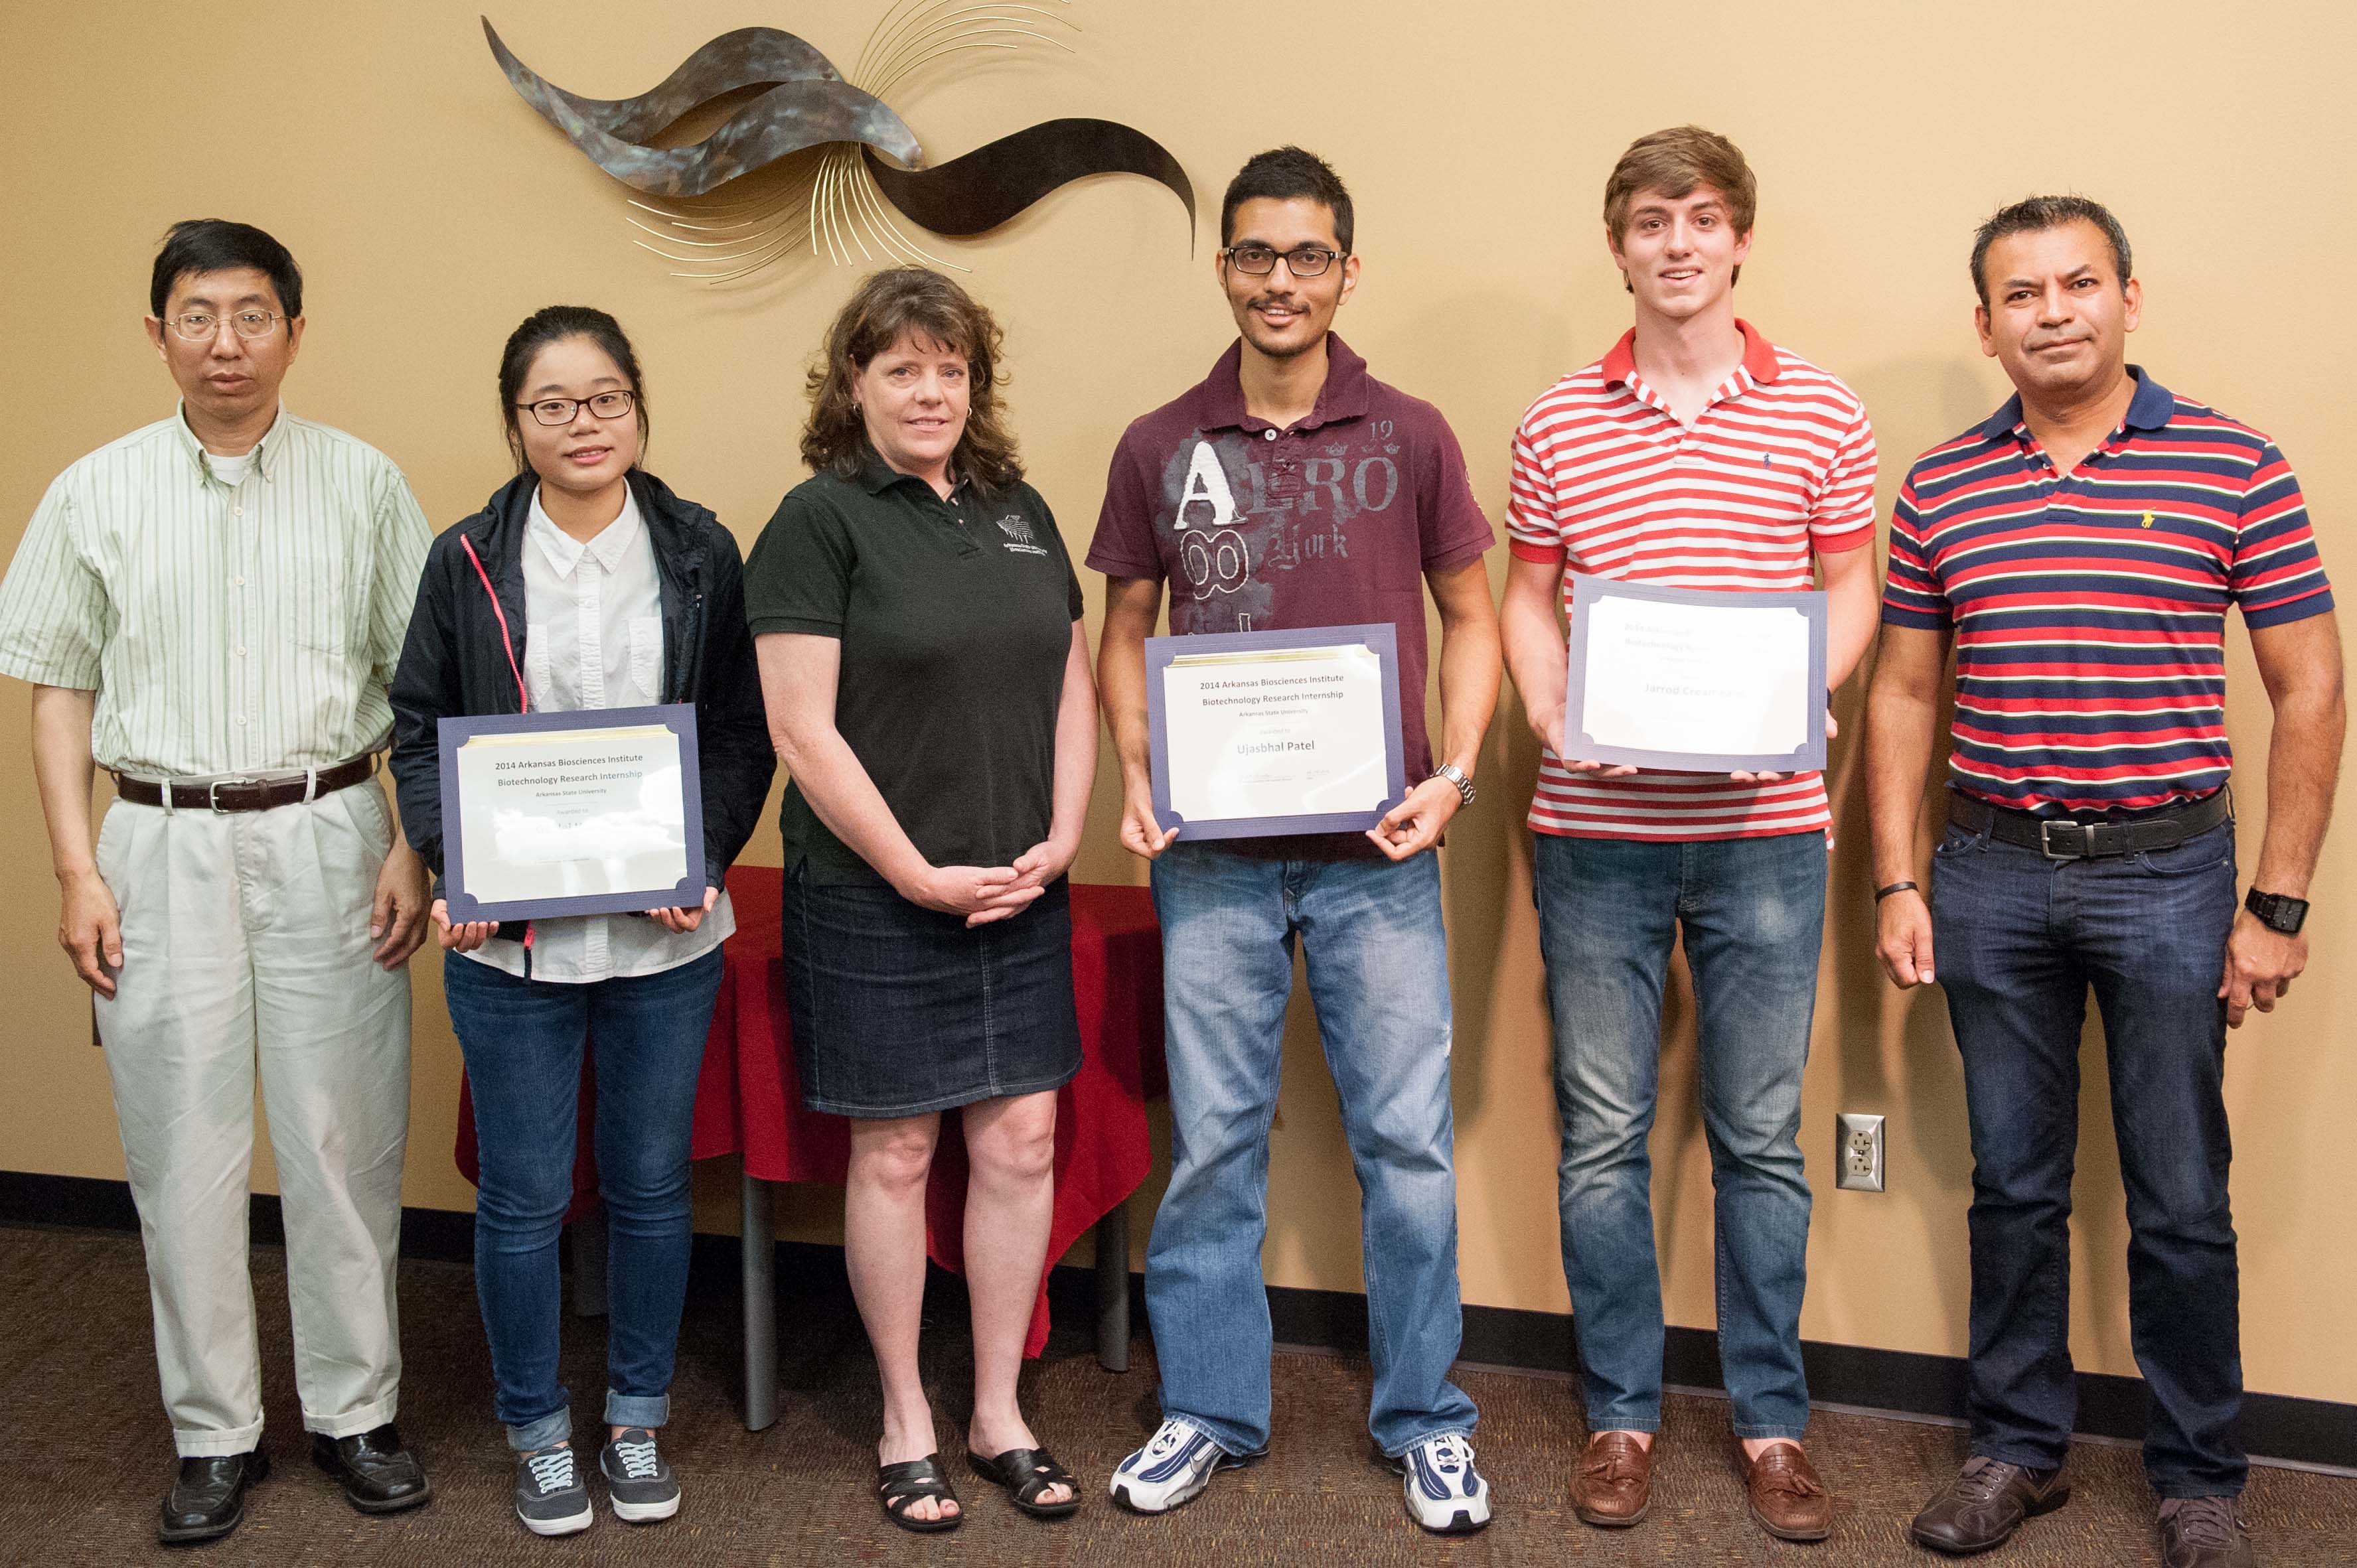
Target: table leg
{"x":760,"y":1288}
{"x":589,"y":1264}
{"x":1113,"y":1289}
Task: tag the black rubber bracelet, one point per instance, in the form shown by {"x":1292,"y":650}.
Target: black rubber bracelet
{"x":1882,"y":893}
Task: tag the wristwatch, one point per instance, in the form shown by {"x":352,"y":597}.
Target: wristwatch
{"x":2276,"y":912}
{"x":1456,"y":776}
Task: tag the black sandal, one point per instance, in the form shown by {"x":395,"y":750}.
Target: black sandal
{"x":899,"y":1487}
{"x":1026,"y":1473}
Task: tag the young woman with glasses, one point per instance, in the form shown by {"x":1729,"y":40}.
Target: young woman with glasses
{"x":584,"y":583}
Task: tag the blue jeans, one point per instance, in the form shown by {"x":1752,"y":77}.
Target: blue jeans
{"x":523,"y":1040}
{"x":2019,"y":940}
{"x":1378,"y":964}
{"x":1753,"y":912}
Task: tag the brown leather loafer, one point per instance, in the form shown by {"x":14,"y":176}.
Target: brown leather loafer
{"x":1612,"y":1485}
{"x":1787,"y":1499}
{"x":1985,"y":1504}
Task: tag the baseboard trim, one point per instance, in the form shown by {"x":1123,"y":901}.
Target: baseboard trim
{"x":2276,"y":1427}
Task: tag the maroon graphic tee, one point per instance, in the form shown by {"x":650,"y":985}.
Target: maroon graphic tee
{"x":1333,"y":521}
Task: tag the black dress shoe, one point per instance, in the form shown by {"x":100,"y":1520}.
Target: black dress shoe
{"x":376,"y":1472}
{"x":207,"y":1500}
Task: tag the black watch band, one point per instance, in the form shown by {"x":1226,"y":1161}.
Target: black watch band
{"x":2276,"y":912}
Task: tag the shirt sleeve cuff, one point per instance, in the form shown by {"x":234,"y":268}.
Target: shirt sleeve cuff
{"x":1523,"y":550}
{"x":2307,"y":605}
{"x":1921,"y":620}
{"x":74,"y":675}
{"x":757,"y":625}
{"x":1449,"y":561}
{"x":1113,"y":566}
{"x":1835,"y":544}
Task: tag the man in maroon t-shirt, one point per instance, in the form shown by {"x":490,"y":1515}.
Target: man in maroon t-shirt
{"x":1293,"y":490}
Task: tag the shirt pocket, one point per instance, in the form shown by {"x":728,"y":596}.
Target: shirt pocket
{"x":328,"y":583}
{"x":646,"y":657}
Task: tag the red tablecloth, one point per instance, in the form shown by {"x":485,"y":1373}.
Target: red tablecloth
{"x":749,"y":1099}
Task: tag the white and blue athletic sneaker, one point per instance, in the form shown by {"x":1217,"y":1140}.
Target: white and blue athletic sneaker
{"x":1176,"y":1465}
{"x":1444,"y":1493}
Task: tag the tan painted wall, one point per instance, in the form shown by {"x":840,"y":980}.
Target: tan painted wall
{"x":431,"y":210}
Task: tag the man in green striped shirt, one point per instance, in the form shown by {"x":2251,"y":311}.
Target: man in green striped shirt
{"x":210,"y":609}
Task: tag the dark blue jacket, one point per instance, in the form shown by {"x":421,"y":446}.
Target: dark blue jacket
{"x":455,"y":663}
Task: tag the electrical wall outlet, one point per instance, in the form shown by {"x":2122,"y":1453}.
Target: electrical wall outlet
{"x":1858,"y":1152}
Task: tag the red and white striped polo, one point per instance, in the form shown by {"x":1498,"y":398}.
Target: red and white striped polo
{"x":1608,"y":482}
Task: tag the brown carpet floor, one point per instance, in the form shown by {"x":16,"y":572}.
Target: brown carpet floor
{"x":88,"y":1453}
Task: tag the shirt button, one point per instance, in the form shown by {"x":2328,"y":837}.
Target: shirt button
{"x":241,"y":653}
{"x":1269,"y":435}
{"x":241,"y":719}
{"x":240,"y":582}
{"x":237,"y":512}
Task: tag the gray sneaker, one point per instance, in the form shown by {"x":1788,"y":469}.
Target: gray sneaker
{"x":550,"y":1496}
{"x":638,"y":1483}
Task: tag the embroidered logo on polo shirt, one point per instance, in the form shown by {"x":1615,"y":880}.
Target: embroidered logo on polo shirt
{"x":1019,"y":535}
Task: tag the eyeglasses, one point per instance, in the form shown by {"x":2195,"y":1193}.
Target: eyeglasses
{"x":199,"y":326}
{"x":560,"y":410}
{"x":1302,"y":262}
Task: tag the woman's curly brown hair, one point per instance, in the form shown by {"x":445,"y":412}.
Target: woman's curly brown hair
{"x":926,"y":305}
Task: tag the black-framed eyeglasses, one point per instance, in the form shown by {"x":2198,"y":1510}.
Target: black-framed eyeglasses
{"x":200,"y":326}
{"x":560,"y":410}
{"x":1302,"y":260}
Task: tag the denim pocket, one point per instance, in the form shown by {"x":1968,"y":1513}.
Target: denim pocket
{"x":1958,"y":841}
{"x":2202,"y":852}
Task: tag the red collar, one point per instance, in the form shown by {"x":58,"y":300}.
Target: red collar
{"x":1758,"y":356}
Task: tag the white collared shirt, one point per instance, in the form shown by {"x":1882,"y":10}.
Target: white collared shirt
{"x":594,"y":640}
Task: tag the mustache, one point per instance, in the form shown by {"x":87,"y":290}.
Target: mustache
{"x":809,"y":105}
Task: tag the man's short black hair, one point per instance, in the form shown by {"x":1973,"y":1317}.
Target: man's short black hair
{"x":2037,"y":212}
{"x":1285,"y":174}
{"x":215,"y":245}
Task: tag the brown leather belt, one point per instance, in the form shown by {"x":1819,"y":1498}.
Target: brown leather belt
{"x":247,"y":794}
{"x":2068,"y":838}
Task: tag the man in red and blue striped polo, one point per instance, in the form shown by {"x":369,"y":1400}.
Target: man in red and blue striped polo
{"x":2081,"y":548}
{"x":1696,"y":454}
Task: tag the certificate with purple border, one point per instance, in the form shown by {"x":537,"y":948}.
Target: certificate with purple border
{"x":1695,"y":681}
{"x":597,"y":813}
{"x":1254,"y":732}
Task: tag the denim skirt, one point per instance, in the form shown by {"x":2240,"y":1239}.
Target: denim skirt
{"x":899,"y":1010}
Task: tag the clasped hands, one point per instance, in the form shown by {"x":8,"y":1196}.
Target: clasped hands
{"x":984,"y":894}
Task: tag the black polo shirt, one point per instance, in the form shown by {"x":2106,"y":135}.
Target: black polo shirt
{"x":956,"y":621}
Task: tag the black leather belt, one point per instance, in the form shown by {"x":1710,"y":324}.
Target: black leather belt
{"x":2067,"y":838}
{"x":247,"y":794}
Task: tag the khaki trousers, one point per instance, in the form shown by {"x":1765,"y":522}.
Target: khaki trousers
{"x":246,"y":946}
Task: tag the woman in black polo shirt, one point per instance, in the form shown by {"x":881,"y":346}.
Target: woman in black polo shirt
{"x":918,"y":626}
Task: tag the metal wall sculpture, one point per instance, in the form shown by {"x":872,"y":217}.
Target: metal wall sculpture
{"x":868,"y":156}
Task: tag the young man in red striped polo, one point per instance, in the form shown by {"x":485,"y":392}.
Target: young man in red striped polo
{"x":2081,"y":548}
{"x":1696,"y":454}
